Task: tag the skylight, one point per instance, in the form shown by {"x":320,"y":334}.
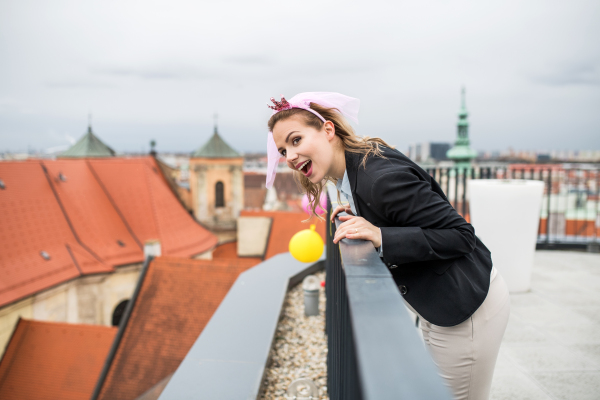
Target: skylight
{"x":45,"y":255}
{"x":2,"y":186}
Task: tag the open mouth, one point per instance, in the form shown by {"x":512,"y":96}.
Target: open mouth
{"x":306,"y":167}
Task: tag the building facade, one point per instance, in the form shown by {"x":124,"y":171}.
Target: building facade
{"x":217,"y":184}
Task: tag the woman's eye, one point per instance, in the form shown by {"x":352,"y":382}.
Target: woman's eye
{"x":296,"y":140}
{"x":283,"y":153}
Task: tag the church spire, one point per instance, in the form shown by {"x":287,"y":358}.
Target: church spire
{"x":461,"y":153}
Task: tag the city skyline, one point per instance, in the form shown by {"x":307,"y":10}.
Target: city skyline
{"x":531,"y":71}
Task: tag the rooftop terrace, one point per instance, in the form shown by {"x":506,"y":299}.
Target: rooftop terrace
{"x":551,"y":348}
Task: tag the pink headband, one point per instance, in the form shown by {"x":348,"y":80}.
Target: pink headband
{"x":347,"y":106}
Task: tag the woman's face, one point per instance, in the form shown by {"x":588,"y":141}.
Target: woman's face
{"x":305,"y":148}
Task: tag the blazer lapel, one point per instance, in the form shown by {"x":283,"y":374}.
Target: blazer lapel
{"x":352,"y":164}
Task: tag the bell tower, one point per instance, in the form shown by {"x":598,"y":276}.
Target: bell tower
{"x":461,"y":153}
{"x":217,"y":184}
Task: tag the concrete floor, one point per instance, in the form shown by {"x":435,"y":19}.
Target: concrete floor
{"x":551,"y":348}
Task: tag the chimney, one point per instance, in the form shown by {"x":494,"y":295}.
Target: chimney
{"x":152,"y":248}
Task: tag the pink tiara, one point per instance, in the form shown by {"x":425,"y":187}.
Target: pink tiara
{"x":279,"y":105}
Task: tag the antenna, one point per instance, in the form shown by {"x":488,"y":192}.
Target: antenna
{"x":216,"y":120}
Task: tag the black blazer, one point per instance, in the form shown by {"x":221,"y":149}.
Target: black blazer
{"x":441,"y":268}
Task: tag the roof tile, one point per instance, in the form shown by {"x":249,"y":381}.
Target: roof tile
{"x":79,"y":219}
{"x":150,"y":207}
{"x":49,"y":360}
{"x":34,"y":222}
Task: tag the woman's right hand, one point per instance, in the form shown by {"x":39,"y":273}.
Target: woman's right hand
{"x":340,"y":209}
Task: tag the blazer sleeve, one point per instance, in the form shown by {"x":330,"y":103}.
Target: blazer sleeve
{"x":424,"y":226}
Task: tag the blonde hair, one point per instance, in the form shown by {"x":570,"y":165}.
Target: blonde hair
{"x":350,"y":142}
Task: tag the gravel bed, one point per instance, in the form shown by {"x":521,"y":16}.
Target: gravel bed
{"x":299,"y":347}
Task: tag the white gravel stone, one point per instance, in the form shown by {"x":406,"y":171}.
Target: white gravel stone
{"x":299,"y":347}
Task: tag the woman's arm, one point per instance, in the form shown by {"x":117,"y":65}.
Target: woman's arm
{"x":425,"y":226}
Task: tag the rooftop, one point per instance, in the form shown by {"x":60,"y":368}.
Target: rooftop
{"x":67,"y":218}
{"x":216,"y":148}
{"x":53,"y":360}
{"x":88,"y":146}
{"x":551,"y":348}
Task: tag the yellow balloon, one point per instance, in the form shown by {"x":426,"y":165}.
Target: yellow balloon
{"x":307,"y":245}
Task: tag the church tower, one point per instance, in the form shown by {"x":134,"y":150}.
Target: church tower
{"x":88,"y":146}
{"x":461,"y":153}
{"x":217,"y":184}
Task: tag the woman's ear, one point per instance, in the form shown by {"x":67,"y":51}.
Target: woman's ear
{"x":329,"y":130}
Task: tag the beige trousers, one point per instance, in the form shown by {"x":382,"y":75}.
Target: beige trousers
{"x":466,"y":353}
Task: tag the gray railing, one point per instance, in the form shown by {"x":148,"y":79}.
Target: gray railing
{"x":570,"y":213}
{"x":374,"y":350}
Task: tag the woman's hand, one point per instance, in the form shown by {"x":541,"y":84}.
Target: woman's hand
{"x":354,"y":227}
{"x":340,"y":209}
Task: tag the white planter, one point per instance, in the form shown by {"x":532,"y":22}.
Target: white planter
{"x":505,"y":214}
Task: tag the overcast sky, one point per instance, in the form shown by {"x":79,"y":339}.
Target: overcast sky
{"x":160,"y":70}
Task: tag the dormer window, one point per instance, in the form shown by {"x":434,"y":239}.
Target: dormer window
{"x":62,"y":177}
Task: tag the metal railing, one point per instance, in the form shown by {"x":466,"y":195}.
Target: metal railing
{"x":570,"y":213}
{"x":374,"y":350}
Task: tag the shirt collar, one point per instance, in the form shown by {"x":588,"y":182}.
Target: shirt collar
{"x":343,"y":185}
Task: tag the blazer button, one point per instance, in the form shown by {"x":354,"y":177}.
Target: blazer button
{"x":403,"y":289}
{"x":392,"y":266}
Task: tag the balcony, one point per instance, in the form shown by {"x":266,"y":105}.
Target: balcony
{"x":550,"y":349}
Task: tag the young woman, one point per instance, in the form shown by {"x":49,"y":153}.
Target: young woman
{"x":443,"y":271}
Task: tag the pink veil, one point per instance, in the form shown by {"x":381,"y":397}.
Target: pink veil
{"x":347,"y":106}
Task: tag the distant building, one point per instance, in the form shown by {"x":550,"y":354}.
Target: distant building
{"x":428,"y":151}
{"x":217,"y":184}
{"x":461,"y":153}
{"x":88,"y":146}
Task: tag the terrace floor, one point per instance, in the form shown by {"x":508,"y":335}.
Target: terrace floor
{"x":551,"y":348}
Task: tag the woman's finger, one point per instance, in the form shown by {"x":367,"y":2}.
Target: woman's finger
{"x":340,"y":209}
{"x":346,"y":228}
{"x":337,"y":210}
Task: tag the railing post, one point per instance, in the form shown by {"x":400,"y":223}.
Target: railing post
{"x":549,"y":191}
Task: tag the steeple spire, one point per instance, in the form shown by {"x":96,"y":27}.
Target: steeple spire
{"x":461,"y":153}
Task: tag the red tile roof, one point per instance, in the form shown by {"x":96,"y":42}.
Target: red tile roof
{"x":48,"y":360}
{"x":176,"y":299}
{"x":285,"y":225}
{"x":150,"y":207}
{"x":32,"y":222}
{"x":89,"y":209}
{"x":93,"y":219}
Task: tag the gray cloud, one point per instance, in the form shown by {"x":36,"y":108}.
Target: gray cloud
{"x":574,"y":74}
{"x":161,"y":70}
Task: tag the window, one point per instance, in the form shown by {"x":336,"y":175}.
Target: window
{"x":219,"y":195}
{"x":118,"y":313}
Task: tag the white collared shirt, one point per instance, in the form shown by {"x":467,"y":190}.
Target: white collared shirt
{"x":343,"y":186}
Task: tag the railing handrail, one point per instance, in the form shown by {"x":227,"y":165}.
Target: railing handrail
{"x":391,"y":359}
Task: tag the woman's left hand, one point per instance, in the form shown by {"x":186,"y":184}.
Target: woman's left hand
{"x":357,"y":228}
